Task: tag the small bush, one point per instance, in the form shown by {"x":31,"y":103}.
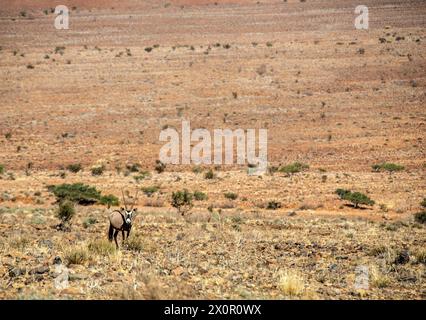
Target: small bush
{"x":159,"y":166}
{"x":98,"y":170}
{"x":273,"y":205}
{"x":142,"y":176}
{"x":77,"y":255}
{"x":209,"y":175}
{"x":200,"y":196}
{"x":390,"y":167}
{"x":102,"y":248}
{"x":197,"y":169}
{"x":420,"y":217}
{"x":74,"y":167}
{"x":89,"y":221}
{"x":149,"y":191}
{"x":109,"y":200}
{"x":231,"y":195}
{"x":1,"y":169}
{"x":134,"y":244}
{"x":135,"y":167}
{"x":291,"y":284}
{"x":66,"y":211}
{"x":294,"y":168}
{"x":59,"y":50}
{"x":423,"y":203}
{"x":182,"y":201}
{"x":356,"y":198}
{"x":77,"y":192}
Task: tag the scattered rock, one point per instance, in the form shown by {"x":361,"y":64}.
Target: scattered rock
{"x":16,"y":272}
{"x":77,"y":277}
{"x":291,"y":213}
{"x":46,"y":242}
{"x":332,"y":267}
{"x":403,"y":257}
{"x":177,"y":271}
{"x":40,"y":270}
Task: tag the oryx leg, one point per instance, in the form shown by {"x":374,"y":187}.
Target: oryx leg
{"x":115,"y":238}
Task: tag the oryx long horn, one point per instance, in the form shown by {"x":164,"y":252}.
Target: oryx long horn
{"x":136,"y":198}
{"x":124,"y":199}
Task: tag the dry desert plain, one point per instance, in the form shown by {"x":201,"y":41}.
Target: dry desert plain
{"x":98,"y":94}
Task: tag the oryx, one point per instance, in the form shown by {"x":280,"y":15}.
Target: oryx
{"x":121,"y":220}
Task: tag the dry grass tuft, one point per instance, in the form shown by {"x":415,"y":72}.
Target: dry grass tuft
{"x":77,"y":255}
{"x":103,"y":248}
{"x":291,"y":283}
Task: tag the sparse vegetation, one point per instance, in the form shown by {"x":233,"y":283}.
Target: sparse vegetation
{"x":356,"y":198}
{"x":200,"y":196}
{"x":390,"y":167}
{"x":97,"y":170}
{"x":134,"y":243}
{"x":102,"y":248}
{"x":209,"y":175}
{"x":182,"y":201}
{"x":109,"y":200}
{"x":66,"y":211}
{"x":149,"y":191}
{"x":159,"y":166}
{"x":77,"y":255}
{"x":77,"y":193}
{"x":290,"y":283}
{"x":273,"y":205}
{"x":77,"y":167}
{"x":294,"y":168}
{"x":420,"y":217}
{"x":230,"y":195}
{"x":89,"y":221}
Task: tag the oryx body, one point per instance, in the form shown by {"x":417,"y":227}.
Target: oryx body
{"x":121,"y":220}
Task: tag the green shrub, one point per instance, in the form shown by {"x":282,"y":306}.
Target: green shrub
{"x":89,"y":221}
{"x":200,"y":196}
{"x":74,"y":167}
{"x":423,"y":203}
{"x":1,"y":169}
{"x":182,"y":201}
{"x":420,"y":217}
{"x":356,"y":198}
{"x":230,"y":195}
{"x":98,"y":170}
{"x":134,"y":244}
{"x":77,"y":192}
{"x":294,"y":168}
{"x":149,"y":191}
{"x":209,"y":175}
{"x":390,"y":167}
{"x":159,"y":166}
{"x":66,"y":211}
{"x":135,"y":167}
{"x":197,"y":169}
{"x":273,"y":205}
{"x":142,"y":176}
{"x":109,"y":200}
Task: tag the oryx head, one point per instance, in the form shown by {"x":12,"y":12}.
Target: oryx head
{"x":129,"y":212}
